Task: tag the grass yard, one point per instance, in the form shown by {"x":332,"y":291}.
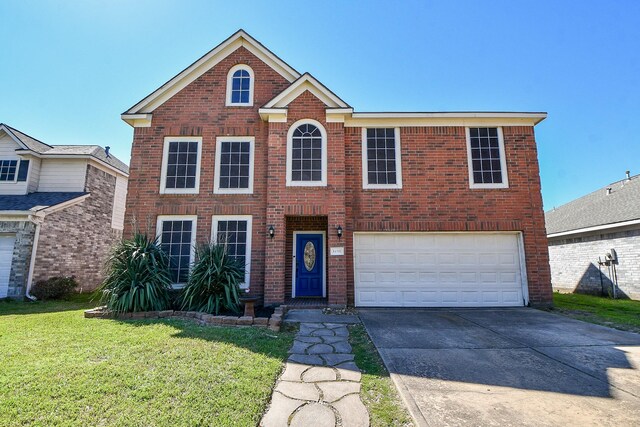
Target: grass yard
{"x":620,"y":313}
{"x":379,"y":394}
{"x":58,"y":368}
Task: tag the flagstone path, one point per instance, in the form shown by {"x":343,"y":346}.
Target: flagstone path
{"x":320,"y":385}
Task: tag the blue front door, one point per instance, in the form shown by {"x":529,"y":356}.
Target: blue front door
{"x":309,"y":264}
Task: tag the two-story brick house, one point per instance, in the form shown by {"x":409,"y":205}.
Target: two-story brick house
{"x":61,"y":209}
{"x":371,"y":209}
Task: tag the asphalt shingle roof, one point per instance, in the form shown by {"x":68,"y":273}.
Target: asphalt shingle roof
{"x":27,"y":201}
{"x":87,"y":150}
{"x":598,"y":208}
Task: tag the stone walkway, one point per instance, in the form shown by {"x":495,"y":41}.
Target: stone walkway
{"x":320,"y":384}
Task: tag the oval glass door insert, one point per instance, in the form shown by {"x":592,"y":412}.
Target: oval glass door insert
{"x":309,"y":256}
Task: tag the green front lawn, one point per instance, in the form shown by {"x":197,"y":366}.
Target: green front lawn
{"x":618,"y":313}
{"x":58,"y":368}
{"x":379,"y":394}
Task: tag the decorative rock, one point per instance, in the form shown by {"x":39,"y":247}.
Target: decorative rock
{"x":190,"y":314}
{"x":319,"y":349}
{"x":335,"y":390}
{"x":217,"y":320}
{"x":200,"y":315}
{"x":352,"y":411}
{"x":138,"y":315}
{"x":229,"y":320}
{"x":151,"y":314}
{"x":319,"y":373}
{"x":260,"y":321}
{"x":314,"y":414}
{"x":245,"y":321}
{"x":300,"y":391}
{"x":208,"y":319}
{"x":280,"y":410}
{"x":293,"y":371}
{"x":165,"y":313}
{"x":306,"y":359}
{"x":333,"y":359}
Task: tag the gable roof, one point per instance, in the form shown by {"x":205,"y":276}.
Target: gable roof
{"x":239,"y":39}
{"x":598,"y":209}
{"x":304,"y":83}
{"x":41,"y":149}
{"x":26,"y":141}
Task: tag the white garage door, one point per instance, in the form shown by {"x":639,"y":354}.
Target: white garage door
{"x":6,"y":255}
{"x":437,"y":270}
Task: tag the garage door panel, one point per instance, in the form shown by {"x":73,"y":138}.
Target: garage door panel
{"x":7,"y":243}
{"x":437,"y":269}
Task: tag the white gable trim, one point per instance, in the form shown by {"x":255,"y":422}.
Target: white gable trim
{"x":17,"y":140}
{"x":304,"y":83}
{"x":204,"y":64}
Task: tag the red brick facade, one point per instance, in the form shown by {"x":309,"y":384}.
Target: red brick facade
{"x":435,"y":194}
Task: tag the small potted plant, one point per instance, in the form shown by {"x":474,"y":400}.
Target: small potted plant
{"x":249,"y":302}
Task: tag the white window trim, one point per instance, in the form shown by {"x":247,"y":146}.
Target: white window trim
{"x":216,"y":185}
{"x":214,"y":237}
{"x":503,"y":162}
{"x":365,"y":164}
{"x":194,"y":219}
{"x":323,"y":134}
{"x":165,"y":159}
{"x":230,"y":86}
{"x":15,"y":176}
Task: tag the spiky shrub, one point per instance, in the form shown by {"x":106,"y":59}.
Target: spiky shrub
{"x":214,"y":282}
{"x":138,"y":276}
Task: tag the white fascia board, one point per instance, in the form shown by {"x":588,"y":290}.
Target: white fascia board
{"x":208,"y":61}
{"x":14,"y":137}
{"x":89,"y":157}
{"x":142,"y":120}
{"x":306,"y":82}
{"x":443,"y":119}
{"x":273,"y":115}
{"x":595,"y":228}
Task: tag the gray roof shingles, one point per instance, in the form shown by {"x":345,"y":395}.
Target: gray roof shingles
{"x":598,"y":208}
{"x":82,"y":150}
{"x":28,"y":201}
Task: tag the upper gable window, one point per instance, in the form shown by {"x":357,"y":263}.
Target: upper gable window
{"x":240,"y":86}
{"x":487,"y":163}
{"x":381,"y":164}
{"x":307,"y":154}
{"x":181,"y":165}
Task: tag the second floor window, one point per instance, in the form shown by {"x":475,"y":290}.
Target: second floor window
{"x":307,"y":154}
{"x":234,"y":165}
{"x":8,"y":170}
{"x":487,"y":163}
{"x":381,"y":164}
{"x":181,"y":165}
{"x":240,"y":86}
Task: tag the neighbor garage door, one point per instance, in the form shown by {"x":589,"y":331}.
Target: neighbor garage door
{"x":6,"y":255}
{"x":437,"y":270}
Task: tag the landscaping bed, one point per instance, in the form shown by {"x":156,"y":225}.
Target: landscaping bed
{"x":616,"y":313}
{"x":59,"y":368}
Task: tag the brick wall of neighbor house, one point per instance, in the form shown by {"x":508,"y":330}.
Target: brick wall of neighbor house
{"x":436,"y":195}
{"x":23,"y":231}
{"x":574,"y":262}
{"x":75,"y":241}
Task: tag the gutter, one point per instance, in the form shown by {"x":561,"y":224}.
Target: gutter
{"x":32,"y":262}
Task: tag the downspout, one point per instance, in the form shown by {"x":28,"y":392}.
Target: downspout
{"x":32,"y":263}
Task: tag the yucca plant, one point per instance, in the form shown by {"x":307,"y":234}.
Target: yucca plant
{"x":214,"y":281}
{"x":138,"y":276}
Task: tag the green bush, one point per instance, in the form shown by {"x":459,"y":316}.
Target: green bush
{"x":54,"y":288}
{"x":213,"y":284}
{"x":138,"y":276}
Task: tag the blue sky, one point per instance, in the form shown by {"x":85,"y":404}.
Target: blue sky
{"x":69,"y":69}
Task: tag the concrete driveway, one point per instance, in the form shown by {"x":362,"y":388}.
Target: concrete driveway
{"x":522,"y":366}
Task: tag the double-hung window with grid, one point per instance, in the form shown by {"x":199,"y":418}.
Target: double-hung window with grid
{"x":234,"y":232}
{"x":234,"y":165}
{"x":487,"y":165}
{"x":181,"y":165}
{"x":177,"y":240}
{"x":381,"y":163}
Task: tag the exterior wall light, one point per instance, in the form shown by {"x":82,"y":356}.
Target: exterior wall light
{"x":339,"y":230}
{"x":272,"y":231}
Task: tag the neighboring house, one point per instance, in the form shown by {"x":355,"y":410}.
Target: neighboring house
{"x":371,"y":209}
{"x":61,"y":209}
{"x":583,"y":232}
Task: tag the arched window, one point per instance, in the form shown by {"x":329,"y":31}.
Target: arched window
{"x":240,"y":86}
{"x":307,"y":154}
